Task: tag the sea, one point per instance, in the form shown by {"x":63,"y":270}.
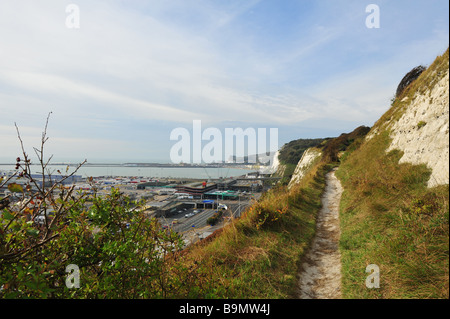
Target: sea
{"x":141,"y":171}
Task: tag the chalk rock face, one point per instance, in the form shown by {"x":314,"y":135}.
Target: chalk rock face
{"x":305,"y":163}
{"x":422,"y":132}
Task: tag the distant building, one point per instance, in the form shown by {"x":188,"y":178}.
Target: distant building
{"x":196,"y":189}
{"x":150,"y":184}
{"x":168,"y":209}
{"x":226,"y":184}
{"x":249,"y":186}
{"x":221,"y":195}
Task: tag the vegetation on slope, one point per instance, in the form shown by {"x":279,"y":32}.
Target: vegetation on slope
{"x":258,"y":255}
{"x":291,"y":153}
{"x":421,"y":85}
{"x":410,"y":77}
{"x":121,"y":253}
{"x":390,"y":218}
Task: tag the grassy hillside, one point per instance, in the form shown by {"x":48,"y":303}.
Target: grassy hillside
{"x":258,"y":255}
{"x":291,"y":153}
{"x":390,"y":218}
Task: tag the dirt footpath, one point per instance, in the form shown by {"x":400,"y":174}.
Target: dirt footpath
{"x":320,"y":273}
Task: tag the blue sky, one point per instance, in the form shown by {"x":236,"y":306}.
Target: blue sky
{"x":136,"y":70}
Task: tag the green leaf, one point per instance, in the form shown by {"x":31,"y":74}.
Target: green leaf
{"x":33,"y":232}
{"x":7,"y":215}
{"x":15,"y":188}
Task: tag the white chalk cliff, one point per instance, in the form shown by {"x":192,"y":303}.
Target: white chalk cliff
{"x":418,"y":126}
{"x":306,"y":162}
{"x":422,"y":132}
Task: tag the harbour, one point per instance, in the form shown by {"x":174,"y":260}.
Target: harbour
{"x":140,"y":170}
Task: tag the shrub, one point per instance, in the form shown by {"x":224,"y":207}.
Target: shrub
{"x":421,"y":124}
{"x":409,"y":78}
{"x":119,"y":251}
{"x":213,"y":220}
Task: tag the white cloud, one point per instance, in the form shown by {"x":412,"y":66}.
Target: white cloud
{"x":57,"y":85}
{"x":67,"y":147}
{"x":171,"y":62}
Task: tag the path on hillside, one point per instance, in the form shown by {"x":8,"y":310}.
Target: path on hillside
{"x":320,"y":272}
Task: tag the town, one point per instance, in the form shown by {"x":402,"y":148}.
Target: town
{"x":194,"y":208}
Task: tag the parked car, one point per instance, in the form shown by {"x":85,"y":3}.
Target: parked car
{"x":189,"y":215}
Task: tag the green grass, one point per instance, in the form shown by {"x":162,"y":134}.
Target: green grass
{"x":421,"y":124}
{"x":289,"y":170}
{"x":388,"y":215}
{"x":390,"y":218}
{"x":258,"y":255}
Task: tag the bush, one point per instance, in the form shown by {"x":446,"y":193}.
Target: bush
{"x":409,"y":78}
{"x":292,"y":152}
{"x":119,"y":252}
{"x":421,"y":124}
{"x":215,"y":218}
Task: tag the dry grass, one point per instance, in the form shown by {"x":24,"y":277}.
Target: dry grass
{"x":258,"y":255}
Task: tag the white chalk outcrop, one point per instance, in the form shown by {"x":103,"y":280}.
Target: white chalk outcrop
{"x":275,"y":162}
{"x":422,"y":132}
{"x":306,"y":162}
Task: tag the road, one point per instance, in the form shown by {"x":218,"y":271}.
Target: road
{"x":199,"y":220}
{"x":196,"y":221}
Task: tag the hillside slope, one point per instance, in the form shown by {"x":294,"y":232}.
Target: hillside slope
{"x":309,"y":157}
{"x":422,"y":131}
{"x":390,"y":215}
{"x":328,"y":151}
{"x":259,"y":254}
{"x":290,"y":154}
{"x":394,"y":210}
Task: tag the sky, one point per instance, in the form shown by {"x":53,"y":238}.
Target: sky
{"x":119,"y":76}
